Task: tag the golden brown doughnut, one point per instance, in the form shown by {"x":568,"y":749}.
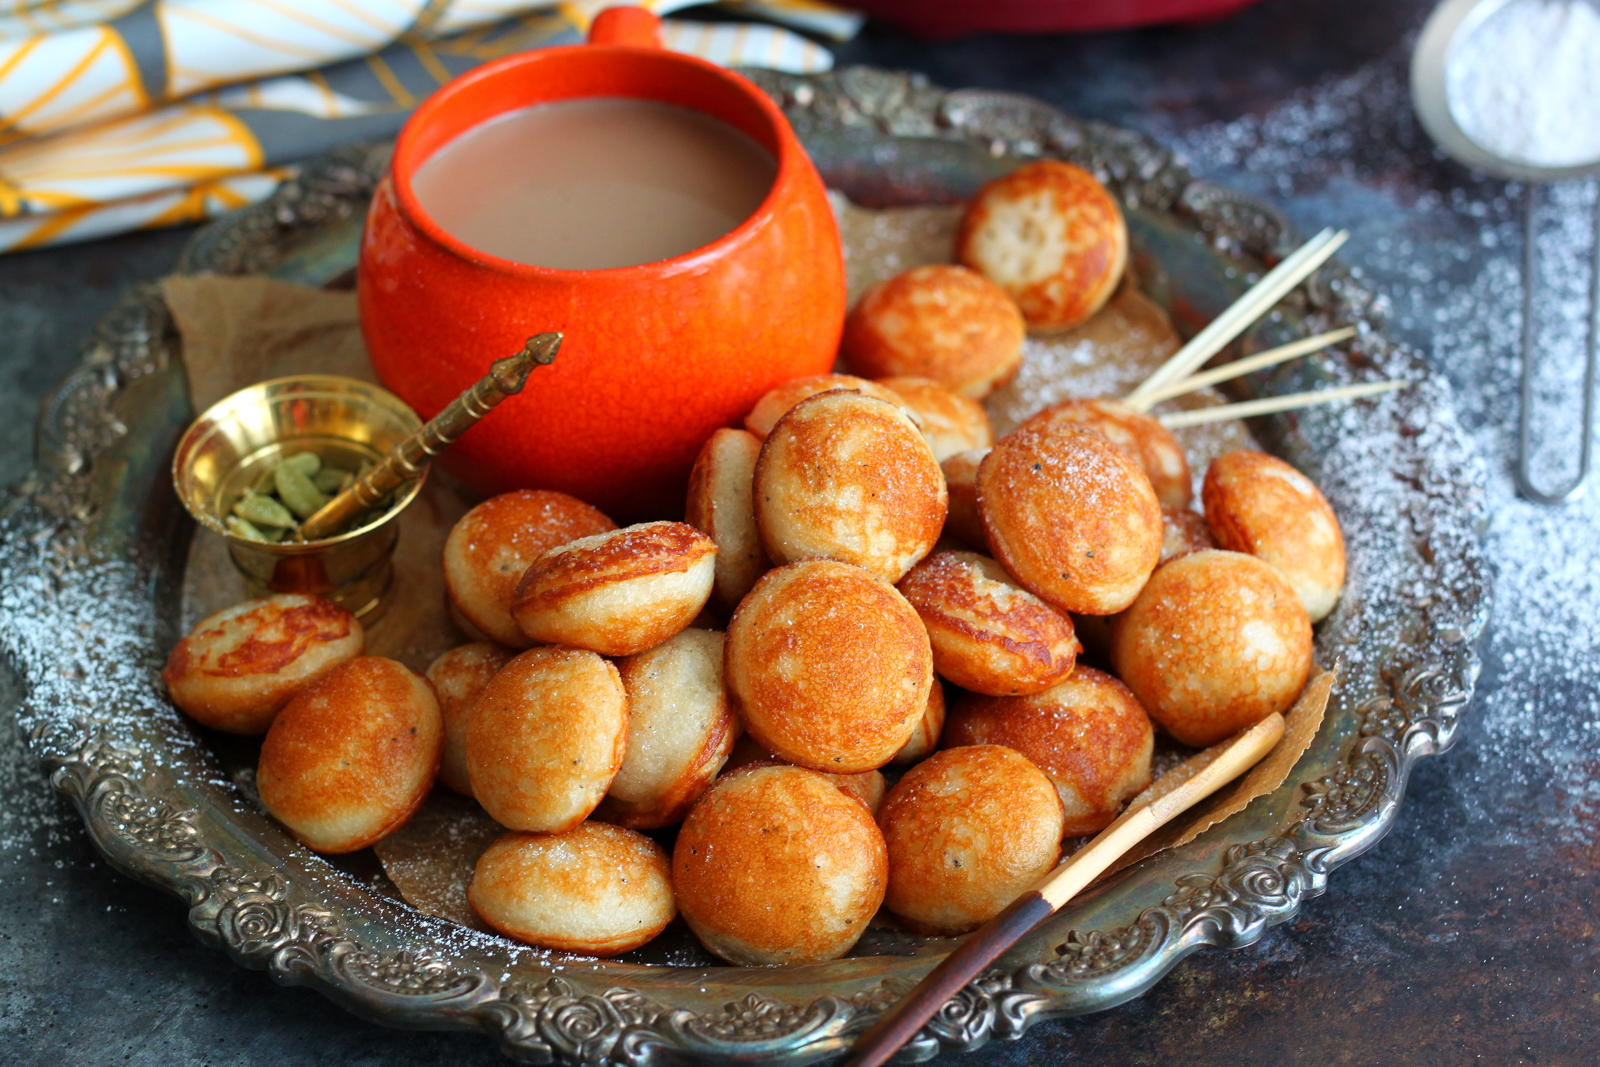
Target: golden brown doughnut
{"x":491,"y":546}
{"x":680,"y":730}
{"x":1049,"y":235}
{"x":1072,"y":518}
{"x":1141,"y":438}
{"x":780,"y":398}
{"x":925,"y":738}
{"x":968,"y":830}
{"x":778,"y":865}
{"x":936,"y":321}
{"x":868,"y":787}
{"x":546,"y":738}
{"x":596,"y":889}
{"x":1183,"y":531}
{"x":951,"y":423}
{"x":721,"y":505}
{"x":848,"y":477}
{"x":459,"y":677}
{"x":237,"y":669}
{"x":961,"y":479}
{"x":747,"y":751}
{"x":988,"y":633}
{"x":828,"y":666}
{"x":1215,"y":643}
{"x":349,"y":759}
{"x":1088,"y":734}
{"x":1258,"y":504}
{"x":617,"y":593}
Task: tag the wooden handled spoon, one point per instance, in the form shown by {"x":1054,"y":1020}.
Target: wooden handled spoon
{"x":1168,"y":796}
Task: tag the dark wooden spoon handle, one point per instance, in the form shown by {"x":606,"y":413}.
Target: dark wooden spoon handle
{"x":901,"y":1023}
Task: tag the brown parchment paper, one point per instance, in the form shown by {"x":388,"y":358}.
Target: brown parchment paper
{"x":1300,"y":725}
{"x":431,"y":858}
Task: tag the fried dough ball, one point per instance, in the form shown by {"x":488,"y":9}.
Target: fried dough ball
{"x":237,"y":669}
{"x":847,"y":477}
{"x":936,"y":321}
{"x":951,"y":423}
{"x":546,"y":738}
{"x":458,"y":678}
{"x":680,"y":730}
{"x":1070,"y":516}
{"x":596,"y":889}
{"x":925,"y":738}
{"x":1215,"y":643}
{"x":1088,"y":734}
{"x":1258,"y":504}
{"x":779,"y":399}
{"x":828,"y":666}
{"x":961,"y":479}
{"x":868,"y":786}
{"x":988,"y":633}
{"x":352,"y":757}
{"x":1141,"y":438}
{"x":778,"y":865}
{"x":1183,"y":531}
{"x":617,"y":593}
{"x":1049,"y":235}
{"x":491,"y":546}
{"x":968,"y":831}
{"x":721,"y":505}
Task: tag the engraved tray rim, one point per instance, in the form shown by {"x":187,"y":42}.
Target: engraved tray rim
{"x":91,"y":525}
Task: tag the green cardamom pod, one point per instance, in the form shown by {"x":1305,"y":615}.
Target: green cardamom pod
{"x":243,"y":528}
{"x":262,"y":511}
{"x":296,"y":490}
{"x":329,"y":479}
{"x":307,"y":463}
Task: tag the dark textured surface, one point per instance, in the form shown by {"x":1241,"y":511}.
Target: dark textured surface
{"x":1468,"y":936}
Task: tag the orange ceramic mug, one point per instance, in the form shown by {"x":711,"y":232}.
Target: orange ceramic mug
{"x":656,"y":356}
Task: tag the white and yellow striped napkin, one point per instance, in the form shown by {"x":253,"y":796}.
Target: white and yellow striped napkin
{"x":127,"y":114}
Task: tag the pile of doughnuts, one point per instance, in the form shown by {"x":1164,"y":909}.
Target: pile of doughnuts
{"x":749,"y":675}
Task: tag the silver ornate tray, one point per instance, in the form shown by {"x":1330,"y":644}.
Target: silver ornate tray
{"x":92,"y":546}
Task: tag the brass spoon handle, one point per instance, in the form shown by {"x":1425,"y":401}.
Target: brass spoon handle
{"x":409,"y":458}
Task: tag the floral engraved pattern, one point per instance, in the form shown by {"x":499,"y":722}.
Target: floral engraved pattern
{"x":1419,"y":718}
{"x":152,"y":824}
{"x":241,"y":902}
{"x":1088,"y":955}
{"x":754,"y":1018}
{"x":405,"y":973}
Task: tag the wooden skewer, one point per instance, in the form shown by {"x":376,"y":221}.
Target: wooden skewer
{"x":1298,"y":266}
{"x":1267,"y":405}
{"x":1170,"y":795}
{"x":1271,"y":357}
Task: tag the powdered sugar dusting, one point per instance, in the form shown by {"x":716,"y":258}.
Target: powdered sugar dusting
{"x":1445,"y":248}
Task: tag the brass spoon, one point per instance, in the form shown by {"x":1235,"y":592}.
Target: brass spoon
{"x":1168,"y":796}
{"x":407,"y":459}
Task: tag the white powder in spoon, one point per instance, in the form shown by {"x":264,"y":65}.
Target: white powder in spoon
{"x":1525,"y":84}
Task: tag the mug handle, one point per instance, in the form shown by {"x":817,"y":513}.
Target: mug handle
{"x":633,"y":26}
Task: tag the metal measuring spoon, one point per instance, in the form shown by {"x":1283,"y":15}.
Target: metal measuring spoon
{"x":1452,"y":23}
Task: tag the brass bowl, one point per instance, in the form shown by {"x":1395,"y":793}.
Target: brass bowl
{"x":241,"y":436}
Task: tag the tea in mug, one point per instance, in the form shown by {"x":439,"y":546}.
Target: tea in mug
{"x":594,"y":183}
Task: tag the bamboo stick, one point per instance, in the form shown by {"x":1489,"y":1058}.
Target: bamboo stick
{"x":1298,"y":266}
{"x":1239,"y":367}
{"x":1267,"y":405}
